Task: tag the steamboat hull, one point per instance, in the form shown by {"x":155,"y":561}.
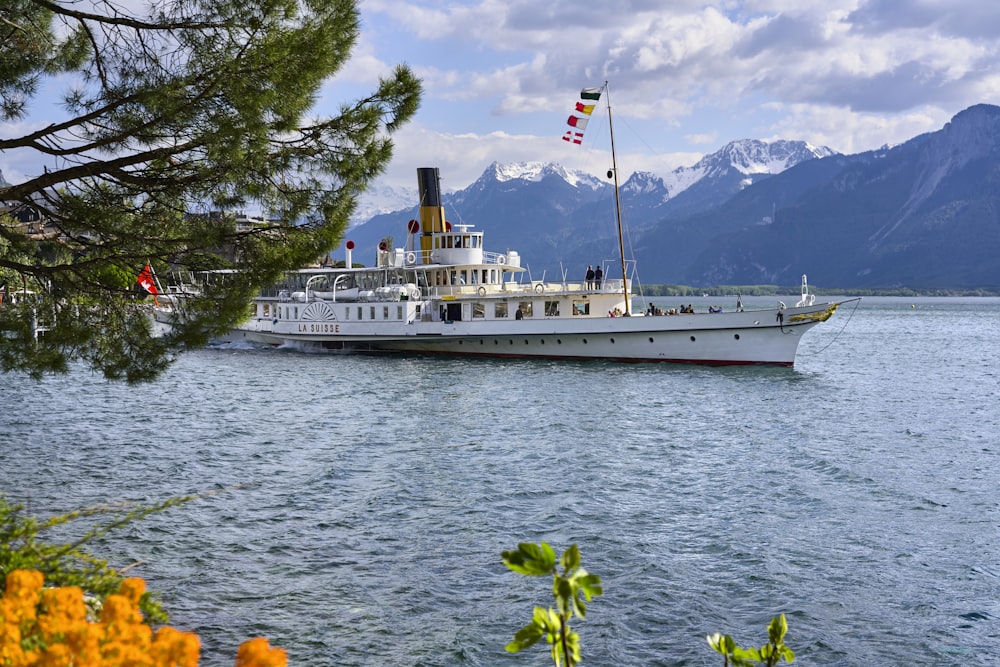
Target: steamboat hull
{"x":752,"y":337}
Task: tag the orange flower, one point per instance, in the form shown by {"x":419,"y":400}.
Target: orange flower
{"x":132,"y":589}
{"x":174,"y":648}
{"x":55,"y":620}
{"x":22,"y":593}
{"x":258,"y":653}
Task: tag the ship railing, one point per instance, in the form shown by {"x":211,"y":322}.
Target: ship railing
{"x":494,"y":257}
{"x":533,"y":287}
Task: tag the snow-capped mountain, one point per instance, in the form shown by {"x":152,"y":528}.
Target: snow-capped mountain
{"x":536,"y":172}
{"x":379,"y":199}
{"x":737,"y":165}
{"x":512,"y":200}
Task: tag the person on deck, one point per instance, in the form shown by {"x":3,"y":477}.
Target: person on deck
{"x":590,"y":276}
{"x":598,"y":276}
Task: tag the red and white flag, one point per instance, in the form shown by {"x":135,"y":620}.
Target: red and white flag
{"x":145,"y":278}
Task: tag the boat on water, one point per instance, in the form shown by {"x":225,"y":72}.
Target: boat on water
{"x":445,"y":293}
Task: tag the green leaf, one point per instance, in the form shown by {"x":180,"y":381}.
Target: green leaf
{"x":570,"y":559}
{"x":533,"y":560}
{"x":590,"y":584}
{"x":746,"y":654}
{"x":564,"y":592}
{"x":526,"y":637}
{"x":776,"y":629}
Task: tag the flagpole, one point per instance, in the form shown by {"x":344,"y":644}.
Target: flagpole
{"x":618,"y":206}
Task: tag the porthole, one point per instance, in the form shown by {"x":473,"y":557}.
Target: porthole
{"x":584,"y":341}
{"x":612,"y":341}
{"x":650,"y":339}
{"x":542,"y":341}
{"x":692,"y":339}
{"x":481,"y":342}
{"x":558,"y":341}
{"x":496,"y":342}
{"x":525,"y":341}
{"x":736,"y":336}
{"x":511,"y":342}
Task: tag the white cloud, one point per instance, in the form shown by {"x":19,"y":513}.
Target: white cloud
{"x":848,"y":131}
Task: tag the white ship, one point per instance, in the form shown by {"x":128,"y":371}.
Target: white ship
{"x":444,"y":293}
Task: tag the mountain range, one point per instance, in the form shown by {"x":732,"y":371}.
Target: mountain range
{"x":924,"y":214}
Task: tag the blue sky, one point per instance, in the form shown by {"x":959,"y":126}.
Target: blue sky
{"x":686,"y":77}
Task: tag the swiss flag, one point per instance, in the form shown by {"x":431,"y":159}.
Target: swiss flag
{"x":145,"y":279}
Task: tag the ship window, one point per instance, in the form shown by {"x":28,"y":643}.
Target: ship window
{"x":500,"y":309}
{"x":525,"y":307}
{"x":581,"y":308}
{"x":267,"y":310}
{"x":478,"y":311}
{"x":296,"y":312}
{"x":361,"y":312}
{"x":347,"y":313}
{"x":372,"y":313}
{"x":475,"y":277}
{"x":385,"y":312}
{"x":463,"y":274}
{"x":551,"y":309}
{"x":399,"y":312}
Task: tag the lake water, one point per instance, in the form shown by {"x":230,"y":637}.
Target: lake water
{"x":857,"y":493}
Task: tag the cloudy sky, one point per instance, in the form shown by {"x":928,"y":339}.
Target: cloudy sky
{"x":686,"y":76}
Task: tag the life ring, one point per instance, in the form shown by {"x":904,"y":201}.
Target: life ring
{"x":411,"y":258}
{"x":539,"y":288}
{"x":501,"y":259}
{"x":482,"y":291}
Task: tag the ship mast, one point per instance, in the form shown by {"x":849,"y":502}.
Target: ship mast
{"x":618,"y":206}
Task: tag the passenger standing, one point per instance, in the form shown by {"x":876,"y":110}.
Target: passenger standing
{"x":590,"y":276}
{"x":598,"y":276}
